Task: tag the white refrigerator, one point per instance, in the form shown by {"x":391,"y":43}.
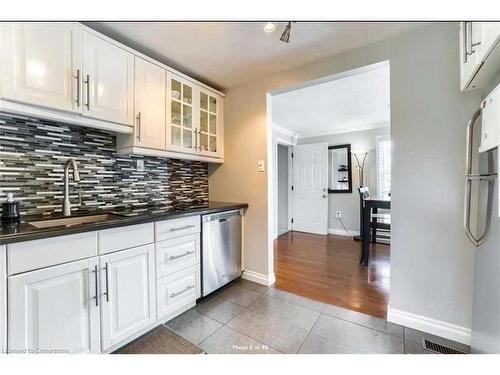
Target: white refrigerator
{"x":486,"y":305}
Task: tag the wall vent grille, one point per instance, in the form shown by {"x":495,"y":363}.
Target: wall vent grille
{"x":438,"y":348}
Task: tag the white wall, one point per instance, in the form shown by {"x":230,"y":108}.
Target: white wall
{"x":282,"y":189}
{"x":431,"y":259}
{"x":348,"y":204}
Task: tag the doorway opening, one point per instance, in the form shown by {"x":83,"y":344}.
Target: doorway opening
{"x":330,"y":185}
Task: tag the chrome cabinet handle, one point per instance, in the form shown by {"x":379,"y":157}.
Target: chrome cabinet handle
{"x":189,"y":287}
{"x":138,"y":120}
{"x":174,"y":257}
{"x":181,"y":228}
{"x":470,"y":44}
{"x":87,"y":82}
{"x":106,"y":293}
{"x":195,"y":131}
{"x":199,"y":134}
{"x":464,"y":42}
{"x":77,"y":77}
{"x":96,"y":278}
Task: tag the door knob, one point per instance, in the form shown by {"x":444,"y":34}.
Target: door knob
{"x":324,"y":195}
{"x":324,"y":189}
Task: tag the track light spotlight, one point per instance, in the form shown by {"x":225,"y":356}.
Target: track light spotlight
{"x":285,"y":37}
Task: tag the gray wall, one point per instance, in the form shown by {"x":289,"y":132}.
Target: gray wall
{"x":431,"y":259}
{"x":282,"y":189}
{"x":348,"y":204}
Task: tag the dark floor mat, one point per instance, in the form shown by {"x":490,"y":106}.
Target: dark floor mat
{"x":161,"y":340}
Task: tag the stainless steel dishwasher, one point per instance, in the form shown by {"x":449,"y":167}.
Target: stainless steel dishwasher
{"x":221,"y":249}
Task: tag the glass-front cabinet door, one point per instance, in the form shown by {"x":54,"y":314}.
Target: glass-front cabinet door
{"x":210,"y":111}
{"x":194,"y":118}
{"x":181,"y":135}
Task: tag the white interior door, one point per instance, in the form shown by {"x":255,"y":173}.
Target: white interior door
{"x":127,"y":293}
{"x":55,"y":309}
{"x":310,"y":188}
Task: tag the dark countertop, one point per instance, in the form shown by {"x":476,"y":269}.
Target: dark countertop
{"x":18,"y":232}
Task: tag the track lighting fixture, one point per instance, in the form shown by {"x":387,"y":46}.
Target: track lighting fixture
{"x":285,"y":37}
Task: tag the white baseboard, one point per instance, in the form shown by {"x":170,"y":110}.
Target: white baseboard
{"x":342,"y":232}
{"x":259,"y":278}
{"x":282,"y":231}
{"x":428,"y":325}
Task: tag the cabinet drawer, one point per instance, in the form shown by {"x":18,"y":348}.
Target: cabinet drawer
{"x":31,"y":255}
{"x":177,"y":254}
{"x":176,"y":291}
{"x":177,"y":227}
{"x":115,"y":239}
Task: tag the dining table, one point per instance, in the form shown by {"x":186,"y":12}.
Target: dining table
{"x":373,"y":203}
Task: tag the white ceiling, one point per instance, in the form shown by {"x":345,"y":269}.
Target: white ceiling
{"x":225,"y":54}
{"x":356,"y":101}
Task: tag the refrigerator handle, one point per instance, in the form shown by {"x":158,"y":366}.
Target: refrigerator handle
{"x":469,"y":144}
{"x":469,"y":177}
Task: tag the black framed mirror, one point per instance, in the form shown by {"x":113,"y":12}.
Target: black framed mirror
{"x":339,"y":169}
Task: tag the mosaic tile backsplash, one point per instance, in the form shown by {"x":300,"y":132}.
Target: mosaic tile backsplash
{"x":32,"y":157}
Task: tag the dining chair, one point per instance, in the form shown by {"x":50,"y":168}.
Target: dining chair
{"x":380,"y":222}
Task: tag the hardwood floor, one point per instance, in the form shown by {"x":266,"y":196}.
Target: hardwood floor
{"x":326,"y":268}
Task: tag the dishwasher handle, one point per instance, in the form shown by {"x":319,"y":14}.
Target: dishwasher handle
{"x":221,"y":217}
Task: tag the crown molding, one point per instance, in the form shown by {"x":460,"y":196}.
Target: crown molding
{"x":376,"y":125}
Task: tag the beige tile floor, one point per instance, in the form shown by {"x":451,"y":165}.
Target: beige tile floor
{"x":248,"y":318}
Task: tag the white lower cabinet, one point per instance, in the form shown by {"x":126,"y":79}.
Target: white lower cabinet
{"x":176,"y":254}
{"x":55,"y":309}
{"x":177,"y":292}
{"x":99,"y":303}
{"x":127,"y":293}
{"x":3,"y":299}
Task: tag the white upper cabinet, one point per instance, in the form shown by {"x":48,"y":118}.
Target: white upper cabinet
{"x":108,"y":77}
{"x":128,"y":293}
{"x":150,"y":104}
{"x":70,"y":73}
{"x":479,"y":53}
{"x":41,"y":64}
{"x":489,"y":36}
{"x":55,"y":308}
{"x":469,"y":58}
{"x":181,"y":132}
{"x":194,"y":119}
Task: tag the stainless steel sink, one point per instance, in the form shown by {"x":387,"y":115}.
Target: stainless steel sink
{"x":77,"y":220}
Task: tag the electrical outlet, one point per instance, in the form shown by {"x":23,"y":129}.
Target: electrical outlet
{"x":140,"y":165}
{"x":338,"y":215}
{"x":260,"y":166}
